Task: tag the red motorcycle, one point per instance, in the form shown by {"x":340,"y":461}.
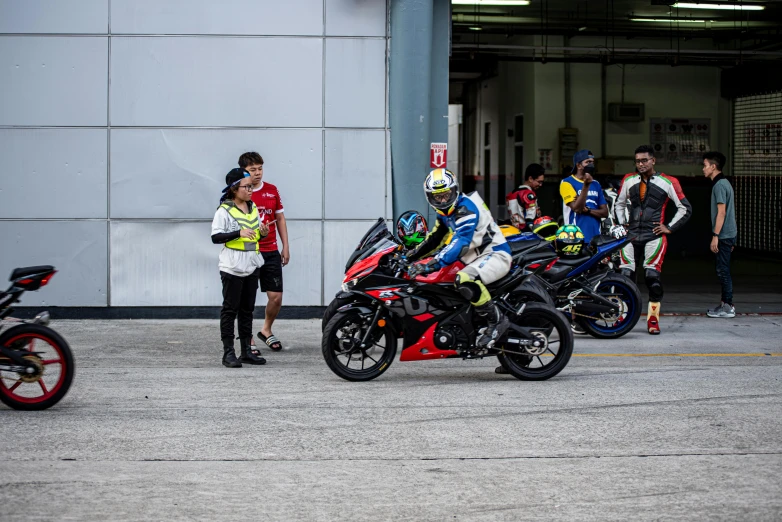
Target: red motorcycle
{"x":433,"y":319}
{"x":36,"y":364}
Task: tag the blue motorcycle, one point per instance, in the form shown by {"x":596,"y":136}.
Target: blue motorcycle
{"x":604,"y":303}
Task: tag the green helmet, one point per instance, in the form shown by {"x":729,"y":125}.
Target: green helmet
{"x":569,"y":241}
{"x":411,"y":228}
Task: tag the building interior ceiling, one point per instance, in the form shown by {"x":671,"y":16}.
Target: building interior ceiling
{"x":621,"y":31}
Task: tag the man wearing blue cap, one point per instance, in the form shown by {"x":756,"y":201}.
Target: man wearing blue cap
{"x":583,"y":208}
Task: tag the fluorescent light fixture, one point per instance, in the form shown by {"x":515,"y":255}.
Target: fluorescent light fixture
{"x":727,"y":7}
{"x":490,"y":2}
{"x":669,"y":20}
{"x":476,"y":28}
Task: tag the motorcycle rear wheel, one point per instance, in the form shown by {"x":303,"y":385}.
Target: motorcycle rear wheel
{"x":547,"y":322}
{"x":622,"y":290}
{"x":342,"y":352}
{"x":24,"y":392}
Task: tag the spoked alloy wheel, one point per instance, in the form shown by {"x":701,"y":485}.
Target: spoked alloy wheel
{"x":625,"y":296}
{"x":551,"y":349}
{"x":53,"y":362}
{"x":344,"y":354}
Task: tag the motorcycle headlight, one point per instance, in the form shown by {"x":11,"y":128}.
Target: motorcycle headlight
{"x":347,"y":286}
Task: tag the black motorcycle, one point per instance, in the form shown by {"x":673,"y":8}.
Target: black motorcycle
{"x":432,"y":318}
{"x":605,"y":303}
{"x":36,"y":363}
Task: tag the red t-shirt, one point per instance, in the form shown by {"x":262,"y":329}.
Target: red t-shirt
{"x":267,"y":199}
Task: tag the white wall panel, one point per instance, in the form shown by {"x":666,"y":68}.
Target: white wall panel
{"x":355,"y":174}
{"x":164,"y":264}
{"x":175,"y":264}
{"x":340,"y":240}
{"x":246,"y":82}
{"x":53,"y":80}
{"x":54,"y":16}
{"x":301,"y":278}
{"x":53,"y":173}
{"x":291,"y":17}
{"x":77,"y":249}
{"x":355,"y":82}
{"x":355,"y":17}
{"x":180,"y":173}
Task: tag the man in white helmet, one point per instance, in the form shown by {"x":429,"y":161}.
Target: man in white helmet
{"x":477,"y":242}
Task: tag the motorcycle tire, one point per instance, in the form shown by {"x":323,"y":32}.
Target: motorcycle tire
{"x":332,"y":308}
{"x":631,"y":299}
{"x":18,"y":337}
{"x":549,"y":320}
{"x":332,"y":348}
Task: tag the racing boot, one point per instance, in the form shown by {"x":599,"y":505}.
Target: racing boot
{"x":653,"y":321}
{"x":229,"y":355}
{"x":497,"y":324}
{"x":247,"y":353}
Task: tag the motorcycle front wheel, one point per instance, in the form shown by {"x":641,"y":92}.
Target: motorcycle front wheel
{"x":53,"y":361}
{"x":342,"y":350}
{"x":555,"y":339}
{"x":332,"y":308}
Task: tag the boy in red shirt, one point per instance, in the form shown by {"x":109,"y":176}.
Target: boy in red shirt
{"x":267,"y":198}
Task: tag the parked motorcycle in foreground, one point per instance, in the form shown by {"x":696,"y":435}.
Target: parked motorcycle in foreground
{"x":435,"y":321}
{"x":36,"y":364}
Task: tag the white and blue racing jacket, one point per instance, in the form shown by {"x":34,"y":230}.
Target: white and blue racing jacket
{"x":474,"y":234}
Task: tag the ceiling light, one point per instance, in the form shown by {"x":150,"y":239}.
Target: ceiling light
{"x":737,"y":7}
{"x":490,"y":2}
{"x":669,"y":20}
{"x":476,"y":28}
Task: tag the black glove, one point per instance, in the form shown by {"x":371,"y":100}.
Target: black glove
{"x":425,"y":267}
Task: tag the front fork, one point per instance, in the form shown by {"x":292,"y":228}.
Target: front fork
{"x":368,"y":334}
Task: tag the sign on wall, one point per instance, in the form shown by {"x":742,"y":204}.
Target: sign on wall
{"x":544,"y":158}
{"x":438,"y":155}
{"x":680,"y":141}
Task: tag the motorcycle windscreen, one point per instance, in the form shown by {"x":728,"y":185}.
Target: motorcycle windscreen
{"x":368,"y":245}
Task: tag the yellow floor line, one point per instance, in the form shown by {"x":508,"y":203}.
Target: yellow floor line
{"x":677,"y":355}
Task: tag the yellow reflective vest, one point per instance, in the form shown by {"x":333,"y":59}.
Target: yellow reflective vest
{"x":249,"y":221}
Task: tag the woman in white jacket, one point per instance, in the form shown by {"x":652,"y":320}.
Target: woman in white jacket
{"x":238,"y":227}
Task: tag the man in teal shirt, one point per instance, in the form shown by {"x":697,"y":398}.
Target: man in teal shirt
{"x":723,"y":228}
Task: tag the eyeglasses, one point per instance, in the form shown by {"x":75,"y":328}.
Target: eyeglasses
{"x":248,"y":187}
{"x":643,"y":161}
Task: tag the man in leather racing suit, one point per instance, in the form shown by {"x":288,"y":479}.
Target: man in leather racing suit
{"x":477,"y":241}
{"x":647,"y":193}
{"x":523,"y":203}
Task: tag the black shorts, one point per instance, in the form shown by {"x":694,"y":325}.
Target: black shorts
{"x":271,"y":272}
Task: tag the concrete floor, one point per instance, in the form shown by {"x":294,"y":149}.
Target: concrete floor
{"x":155,"y":428}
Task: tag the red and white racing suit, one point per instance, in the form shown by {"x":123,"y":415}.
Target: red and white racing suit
{"x":522,"y":207}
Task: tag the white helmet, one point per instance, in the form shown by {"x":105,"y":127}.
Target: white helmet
{"x":442,"y":190}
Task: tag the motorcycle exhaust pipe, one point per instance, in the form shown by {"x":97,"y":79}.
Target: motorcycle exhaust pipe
{"x":43,"y":319}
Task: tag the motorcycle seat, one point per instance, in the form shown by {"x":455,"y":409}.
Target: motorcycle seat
{"x":29,"y":270}
{"x":524,"y":245}
{"x":601,"y":240}
{"x":572,"y":261}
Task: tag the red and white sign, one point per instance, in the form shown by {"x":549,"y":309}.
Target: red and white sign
{"x":438,"y":155}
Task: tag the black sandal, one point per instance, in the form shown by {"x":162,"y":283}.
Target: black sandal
{"x":272,"y":342}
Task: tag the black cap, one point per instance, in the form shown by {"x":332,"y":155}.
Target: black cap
{"x":235,"y":175}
